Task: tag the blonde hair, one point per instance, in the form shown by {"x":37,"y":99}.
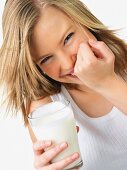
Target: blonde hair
{"x":23,"y":79}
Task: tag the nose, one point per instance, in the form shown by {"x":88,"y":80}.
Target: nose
{"x":67,"y":60}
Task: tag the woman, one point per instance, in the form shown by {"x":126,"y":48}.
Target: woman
{"x":59,"y":50}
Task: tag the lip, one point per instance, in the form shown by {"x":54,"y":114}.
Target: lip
{"x":71,"y":72}
{"x":72,"y":76}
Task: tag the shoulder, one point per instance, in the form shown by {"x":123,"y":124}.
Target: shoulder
{"x":35,"y":104}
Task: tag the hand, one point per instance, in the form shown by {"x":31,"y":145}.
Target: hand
{"x":95,"y":64}
{"x":45,"y":151}
{"x":43,"y":158}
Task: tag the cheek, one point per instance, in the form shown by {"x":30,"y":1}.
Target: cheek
{"x":51,"y":70}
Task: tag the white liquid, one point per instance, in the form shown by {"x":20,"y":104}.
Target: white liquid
{"x":58,"y":126}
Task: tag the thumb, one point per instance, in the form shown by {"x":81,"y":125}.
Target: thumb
{"x":40,"y":146}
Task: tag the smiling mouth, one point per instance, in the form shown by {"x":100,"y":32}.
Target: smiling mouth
{"x":72,"y":75}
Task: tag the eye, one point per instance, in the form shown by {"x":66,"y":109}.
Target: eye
{"x":45,"y":60}
{"x":68,"y":37}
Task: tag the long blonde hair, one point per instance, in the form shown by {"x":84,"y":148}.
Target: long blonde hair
{"x":23,"y":79}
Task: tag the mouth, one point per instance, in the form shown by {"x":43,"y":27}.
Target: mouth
{"x":70,"y":74}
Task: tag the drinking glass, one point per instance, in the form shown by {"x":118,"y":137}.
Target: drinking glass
{"x":55,"y":121}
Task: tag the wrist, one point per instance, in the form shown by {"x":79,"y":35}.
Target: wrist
{"x":110,"y":83}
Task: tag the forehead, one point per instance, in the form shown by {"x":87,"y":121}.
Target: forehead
{"x":51,"y":25}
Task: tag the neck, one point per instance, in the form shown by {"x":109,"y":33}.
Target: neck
{"x":85,"y":88}
{"x":79,"y":87}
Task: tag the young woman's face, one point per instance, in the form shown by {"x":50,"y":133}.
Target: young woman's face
{"x":55,"y":42}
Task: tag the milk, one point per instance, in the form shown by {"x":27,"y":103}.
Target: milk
{"x":55,"y":121}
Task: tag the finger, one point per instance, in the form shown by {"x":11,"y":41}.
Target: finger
{"x":85,"y":53}
{"x":47,"y":156}
{"x":85,"y":59}
{"x":102,"y":50}
{"x":65,"y":162}
{"x":97,"y":53}
{"x":40,"y":146}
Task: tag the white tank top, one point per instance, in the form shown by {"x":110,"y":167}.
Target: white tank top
{"x":102,"y":140}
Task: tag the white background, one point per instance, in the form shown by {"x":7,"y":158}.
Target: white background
{"x":15,"y":145}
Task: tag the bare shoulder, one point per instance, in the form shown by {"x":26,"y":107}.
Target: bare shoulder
{"x":35,"y":104}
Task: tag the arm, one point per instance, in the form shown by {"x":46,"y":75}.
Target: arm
{"x":95,"y":68}
{"x":115,"y":90}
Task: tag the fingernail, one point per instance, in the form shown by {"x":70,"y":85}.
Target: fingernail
{"x":48,"y":143}
{"x":63,"y":145}
{"x":75,"y":156}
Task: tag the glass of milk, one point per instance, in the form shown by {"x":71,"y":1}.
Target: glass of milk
{"x":55,"y":121}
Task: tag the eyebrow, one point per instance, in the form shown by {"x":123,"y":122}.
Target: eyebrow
{"x":61,"y":39}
